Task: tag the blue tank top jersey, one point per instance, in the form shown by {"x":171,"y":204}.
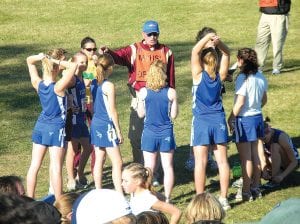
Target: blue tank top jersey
{"x":101,"y":111}
{"x":53,"y":106}
{"x":207,"y":95}
{"x":78,"y":95}
{"x":275,"y":139}
{"x":157,"y":105}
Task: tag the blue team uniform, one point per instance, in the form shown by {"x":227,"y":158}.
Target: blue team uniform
{"x":79,"y":127}
{"x":158,"y":126}
{"x":103,"y":133}
{"x":275,"y":139}
{"x":49,"y":129}
{"x":209,"y":123}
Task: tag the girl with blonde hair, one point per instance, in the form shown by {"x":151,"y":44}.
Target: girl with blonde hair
{"x":136,"y":181}
{"x":50,"y":127}
{"x":209,"y":128}
{"x":158,"y":104}
{"x":106,"y":133}
{"x":204,"y":208}
{"x":64,"y":205}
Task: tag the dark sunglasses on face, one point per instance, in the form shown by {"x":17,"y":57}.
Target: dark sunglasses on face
{"x":90,"y":49}
{"x":152,"y":34}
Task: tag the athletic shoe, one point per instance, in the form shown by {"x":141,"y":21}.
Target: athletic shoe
{"x":82,"y":183}
{"x":238,"y":183}
{"x":71,"y":185}
{"x":224,"y":203}
{"x":256,"y":193}
{"x":241,"y":196}
{"x":270,"y":185}
{"x":276,"y":72}
{"x":155,"y":183}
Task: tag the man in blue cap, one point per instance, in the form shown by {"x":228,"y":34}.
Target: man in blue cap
{"x":137,"y":58}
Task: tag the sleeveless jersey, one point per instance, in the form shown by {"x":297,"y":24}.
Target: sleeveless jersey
{"x":53,"y":106}
{"x":144,"y":59}
{"x":207,"y":95}
{"x":275,"y":139}
{"x":101,"y":111}
{"x":157,"y":105}
{"x":78,"y":94}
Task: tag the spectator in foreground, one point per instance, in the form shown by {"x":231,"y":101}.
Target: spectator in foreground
{"x":205,"y":209}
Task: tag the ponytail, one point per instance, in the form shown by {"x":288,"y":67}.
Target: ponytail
{"x":104,"y":67}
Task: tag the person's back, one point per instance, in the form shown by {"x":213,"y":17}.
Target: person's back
{"x":254,"y":86}
{"x":157,"y":109}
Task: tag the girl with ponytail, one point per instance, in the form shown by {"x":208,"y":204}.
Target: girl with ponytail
{"x":209,"y":128}
{"x":49,"y":130}
{"x":106,"y":133}
{"x":137,"y":181}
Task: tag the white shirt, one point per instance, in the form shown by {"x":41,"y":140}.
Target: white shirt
{"x":143,"y":201}
{"x":253,"y":89}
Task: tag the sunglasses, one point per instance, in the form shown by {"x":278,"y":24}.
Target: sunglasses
{"x":152,"y":34}
{"x":91,"y":49}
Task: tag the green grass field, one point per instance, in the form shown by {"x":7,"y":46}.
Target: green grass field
{"x":29,"y":27}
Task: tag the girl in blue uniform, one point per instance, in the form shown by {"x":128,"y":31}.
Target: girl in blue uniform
{"x":280,"y":156}
{"x":209,"y":127}
{"x":49,"y":128}
{"x":80,"y":133}
{"x":105,"y":129}
{"x":246,"y":116}
{"x":158,"y":104}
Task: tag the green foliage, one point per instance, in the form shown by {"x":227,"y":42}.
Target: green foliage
{"x":29,"y":27}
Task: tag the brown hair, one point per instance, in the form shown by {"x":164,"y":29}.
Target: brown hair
{"x":64,"y":205}
{"x":249,"y":57}
{"x":209,"y":57}
{"x":104,"y":67}
{"x":204,"y":207}
{"x":138,"y":171}
{"x":48,"y":66}
{"x":149,"y":217}
{"x":156,"y":76}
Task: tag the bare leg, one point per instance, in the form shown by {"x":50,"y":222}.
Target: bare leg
{"x":85,"y":143}
{"x":57,"y":155}
{"x":38,"y":153}
{"x":256,"y":165}
{"x":150,"y":160}
{"x":167,"y":164}
{"x":100,"y":154}
{"x":71,"y":151}
{"x":244,"y":149}
{"x":116,"y":160}
{"x":276,"y":159}
{"x":200,"y":154}
{"x":221,"y":157}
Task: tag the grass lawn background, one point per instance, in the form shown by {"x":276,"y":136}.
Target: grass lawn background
{"x":28,"y":27}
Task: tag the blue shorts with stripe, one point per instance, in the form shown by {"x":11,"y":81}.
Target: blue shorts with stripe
{"x":80,"y":131}
{"x":104,"y":135}
{"x":153,"y":142}
{"x":248,"y":129}
{"x":209,"y":129}
{"x":48,"y":134}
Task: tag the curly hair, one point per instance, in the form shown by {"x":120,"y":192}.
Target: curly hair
{"x":138,"y":171}
{"x":156,"y":76}
{"x":104,"y":67}
{"x":250,"y":63}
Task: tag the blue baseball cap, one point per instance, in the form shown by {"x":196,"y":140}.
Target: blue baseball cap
{"x":151,"y":26}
